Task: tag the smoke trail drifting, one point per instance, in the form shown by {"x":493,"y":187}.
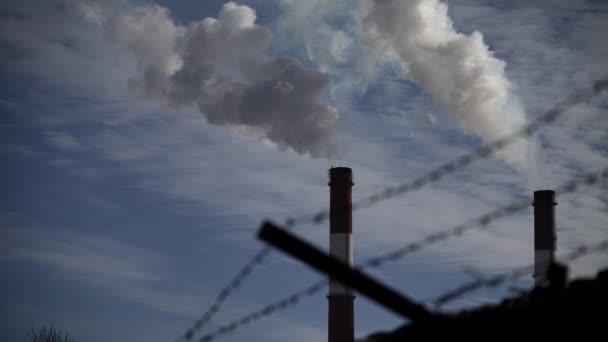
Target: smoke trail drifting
{"x":458,"y":70}
{"x":221,"y":65}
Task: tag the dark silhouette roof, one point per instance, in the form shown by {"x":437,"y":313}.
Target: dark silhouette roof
{"x":578,"y":308}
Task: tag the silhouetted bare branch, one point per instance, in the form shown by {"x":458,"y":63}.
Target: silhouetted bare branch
{"x":49,"y":334}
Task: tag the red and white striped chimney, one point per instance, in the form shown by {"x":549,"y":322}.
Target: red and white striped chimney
{"x":341,"y":299}
{"x":545,"y":234}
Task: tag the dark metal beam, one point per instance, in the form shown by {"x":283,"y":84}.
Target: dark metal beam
{"x":341,"y":272}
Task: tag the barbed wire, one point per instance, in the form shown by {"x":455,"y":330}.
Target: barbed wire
{"x":225,"y":292}
{"x":394,"y":191}
{"x":374,"y":262}
{"x":480,"y":223}
{"x":268,"y":310}
{"x":513,"y":275}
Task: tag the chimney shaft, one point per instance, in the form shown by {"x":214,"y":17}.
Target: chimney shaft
{"x":545,"y":234}
{"x":340,"y":297}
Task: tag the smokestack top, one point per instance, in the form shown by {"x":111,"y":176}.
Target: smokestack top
{"x":544,"y":197}
{"x":339,"y":175}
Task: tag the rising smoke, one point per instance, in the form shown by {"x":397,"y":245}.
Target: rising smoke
{"x":458,"y":70}
{"x":222,"y":66}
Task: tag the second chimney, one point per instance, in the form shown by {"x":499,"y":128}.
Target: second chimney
{"x":341,"y":299}
{"x":545,"y":235}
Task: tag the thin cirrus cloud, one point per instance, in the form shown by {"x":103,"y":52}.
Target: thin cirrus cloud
{"x":63,"y":141}
{"x":114,"y":267}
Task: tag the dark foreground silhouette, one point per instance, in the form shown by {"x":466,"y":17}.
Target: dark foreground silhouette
{"x":576,"y":310}
{"x":49,"y":334}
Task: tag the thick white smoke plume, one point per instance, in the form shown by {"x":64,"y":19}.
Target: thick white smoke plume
{"x":223,"y":67}
{"x":458,"y":70}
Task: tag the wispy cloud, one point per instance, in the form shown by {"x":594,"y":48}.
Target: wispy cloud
{"x":19,"y":150}
{"x":63,"y":141}
{"x":116,"y":268}
{"x":292,"y":330}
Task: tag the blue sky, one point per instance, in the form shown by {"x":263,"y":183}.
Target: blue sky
{"x":122,"y":216}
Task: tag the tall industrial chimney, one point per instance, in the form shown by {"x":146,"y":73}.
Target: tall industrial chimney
{"x":545,"y":234}
{"x":341,"y":299}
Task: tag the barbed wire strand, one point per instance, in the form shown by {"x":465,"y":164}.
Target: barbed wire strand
{"x":225,"y":292}
{"x":390,"y":192}
{"x":479,"y":223}
{"x":513,"y":275}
